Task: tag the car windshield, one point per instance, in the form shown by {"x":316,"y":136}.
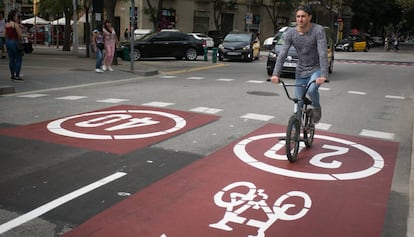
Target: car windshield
{"x":238,"y":37}
{"x":147,"y":36}
{"x":280,"y":38}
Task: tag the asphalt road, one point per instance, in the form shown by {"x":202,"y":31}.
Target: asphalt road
{"x":35,"y":171}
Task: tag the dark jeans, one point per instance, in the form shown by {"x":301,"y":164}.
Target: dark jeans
{"x":99,"y":58}
{"x":15,"y":57}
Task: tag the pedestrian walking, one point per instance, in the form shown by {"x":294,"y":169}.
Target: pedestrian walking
{"x":98,"y":47}
{"x":396,"y":43}
{"x":126,"y":34}
{"x":2,"y":34}
{"x":14,"y":36}
{"x":111,"y":40}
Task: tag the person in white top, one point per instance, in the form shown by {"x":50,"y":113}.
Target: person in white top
{"x":2,"y":34}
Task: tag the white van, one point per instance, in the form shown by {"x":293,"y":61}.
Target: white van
{"x":138,"y":33}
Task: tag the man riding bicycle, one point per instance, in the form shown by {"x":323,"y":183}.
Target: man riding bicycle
{"x":310,"y":42}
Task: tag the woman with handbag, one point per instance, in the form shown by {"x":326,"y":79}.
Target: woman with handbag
{"x":98,"y":46}
{"x":13,"y":44}
{"x":111,"y":41}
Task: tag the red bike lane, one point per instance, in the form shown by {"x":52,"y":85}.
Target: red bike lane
{"x":339,"y":187}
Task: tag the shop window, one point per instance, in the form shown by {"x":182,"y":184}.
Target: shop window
{"x":168,"y":19}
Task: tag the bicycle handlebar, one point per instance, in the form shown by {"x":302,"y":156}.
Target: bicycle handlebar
{"x":296,"y":85}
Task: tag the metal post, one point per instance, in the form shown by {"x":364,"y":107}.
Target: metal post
{"x":75,"y":28}
{"x":131,"y":38}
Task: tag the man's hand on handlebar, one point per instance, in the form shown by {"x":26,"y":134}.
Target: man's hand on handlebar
{"x":275,"y":79}
{"x":321,"y":80}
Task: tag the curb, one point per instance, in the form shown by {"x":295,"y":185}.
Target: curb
{"x":410,"y":217}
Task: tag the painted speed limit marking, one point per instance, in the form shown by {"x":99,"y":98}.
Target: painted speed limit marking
{"x":117,"y":129}
{"x":324,"y":160}
{"x":116,"y":121}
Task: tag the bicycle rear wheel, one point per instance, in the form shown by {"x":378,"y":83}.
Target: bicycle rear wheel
{"x":292,"y":139}
{"x":309,"y":128}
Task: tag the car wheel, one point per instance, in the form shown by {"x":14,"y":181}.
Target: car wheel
{"x":136,"y":55}
{"x":191,"y":54}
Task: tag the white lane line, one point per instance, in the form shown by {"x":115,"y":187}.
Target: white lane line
{"x":225,"y":79}
{"x":324,"y":88}
{"x":158,"y":104}
{"x":323,"y":126}
{"x":71,"y":97}
{"x":195,"y":78}
{"x":32,"y":95}
{"x":168,"y":77}
{"x":377,"y":134}
{"x":256,"y":81}
{"x":357,"y":92}
{"x":257,"y":117}
{"x":57,"y":202}
{"x":206,"y":110}
{"x":112,"y":100}
{"x":395,"y":97}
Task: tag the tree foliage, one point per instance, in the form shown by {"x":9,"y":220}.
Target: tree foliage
{"x":219,"y":7}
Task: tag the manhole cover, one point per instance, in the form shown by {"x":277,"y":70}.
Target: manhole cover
{"x":262,"y":93}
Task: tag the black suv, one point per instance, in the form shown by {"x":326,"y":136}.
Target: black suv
{"x":289,"y":66}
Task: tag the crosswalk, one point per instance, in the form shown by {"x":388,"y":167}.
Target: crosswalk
{"x":209,"y":110}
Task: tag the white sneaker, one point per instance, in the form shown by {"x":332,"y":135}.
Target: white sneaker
{"x":110,"y":69}
{"x":98,"y":70}
{"x":104,"y":67}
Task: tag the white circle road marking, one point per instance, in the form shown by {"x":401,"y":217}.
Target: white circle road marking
{"x":240,"y":151}
{"x":55,"y":126}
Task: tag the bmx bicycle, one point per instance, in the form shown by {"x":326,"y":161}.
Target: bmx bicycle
{"x":301,"y":127}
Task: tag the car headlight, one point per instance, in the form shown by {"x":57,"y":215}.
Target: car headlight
{"x":247,"y":47}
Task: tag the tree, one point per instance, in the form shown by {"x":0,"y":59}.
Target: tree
{"x":219,"y":6}
{"x":55,"y":8}
{"x":86,"y":5}
{"x":154,"y":13}
{"x":276,"y":7}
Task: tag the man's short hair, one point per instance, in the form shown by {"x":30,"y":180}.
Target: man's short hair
{"x":304,"y":8}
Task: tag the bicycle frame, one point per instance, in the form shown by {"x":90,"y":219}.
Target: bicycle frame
{"x":296,"y":100}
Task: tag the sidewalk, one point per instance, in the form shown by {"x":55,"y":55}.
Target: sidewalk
{"x":139,"y":68}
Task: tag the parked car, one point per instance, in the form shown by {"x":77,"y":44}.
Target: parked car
{"x":377,"y":41}
{"x":164,"y":44}
{"x":352,"y":44}
{"x":217,"y":36}
{"x":267,"y":44}
{"x":289,"y":66}
{"x":138,"y":33}
{"x":208,"y":39}
{"x":239,"y":45}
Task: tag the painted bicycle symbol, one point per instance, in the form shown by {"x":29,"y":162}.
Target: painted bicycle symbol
{"x":256,"y":199}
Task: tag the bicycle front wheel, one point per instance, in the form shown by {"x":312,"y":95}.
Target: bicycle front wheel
{"x":292,"y":139}
{"x":309,"y":129}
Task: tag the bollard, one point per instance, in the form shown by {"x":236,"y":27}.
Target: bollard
{"x":214,"y":55}
{"x":126,"y":54}
{"x":205,"y":54}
